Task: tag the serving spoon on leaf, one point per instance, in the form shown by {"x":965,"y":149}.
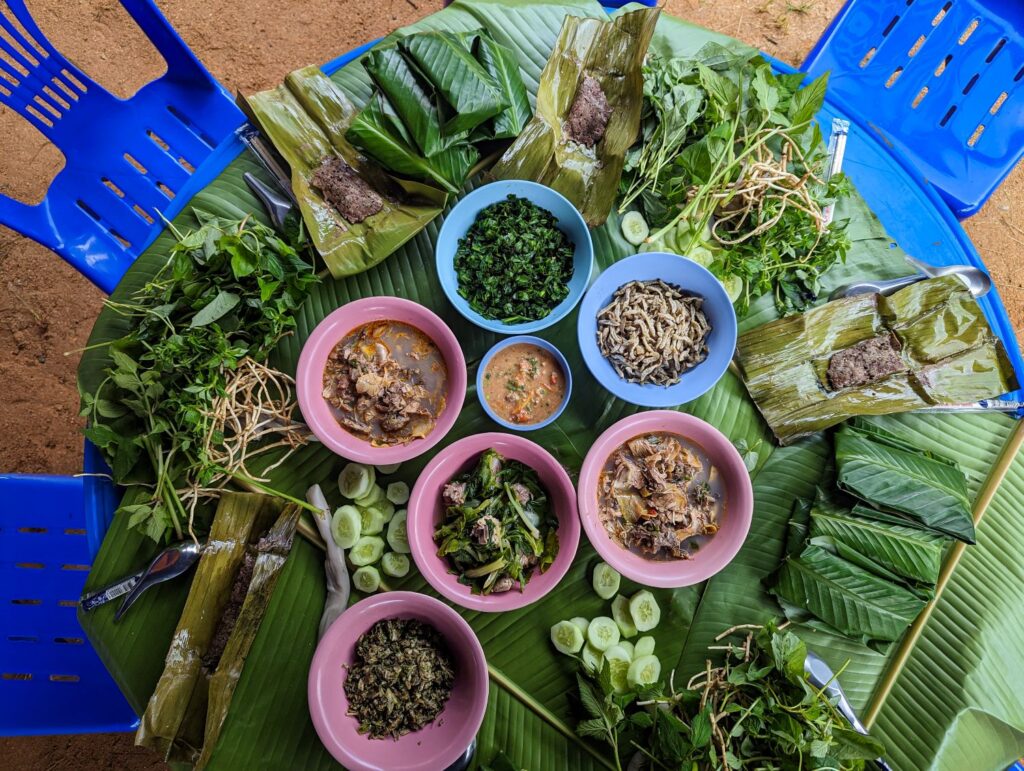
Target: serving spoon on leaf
{"x":976,"y":280}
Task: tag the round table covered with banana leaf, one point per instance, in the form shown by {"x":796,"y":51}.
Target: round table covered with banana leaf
{"x":942,"y":695}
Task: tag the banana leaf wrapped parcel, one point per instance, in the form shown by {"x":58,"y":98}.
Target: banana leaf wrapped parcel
{"x":248,"y":545}
{"x":588,"y":112}
{"x":926,"y":345}
{"x":356,"y":213}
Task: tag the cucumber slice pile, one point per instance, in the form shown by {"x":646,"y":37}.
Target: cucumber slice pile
{"x":566,"y":637}
{"x":606,"y":580}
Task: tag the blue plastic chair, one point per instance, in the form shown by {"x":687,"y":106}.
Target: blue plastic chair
{"x":51,"y":680}
{"x":940,"y":81}
{"x":127,"y":161}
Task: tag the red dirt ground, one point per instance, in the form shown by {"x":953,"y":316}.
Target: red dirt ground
{"x":47,"y":309}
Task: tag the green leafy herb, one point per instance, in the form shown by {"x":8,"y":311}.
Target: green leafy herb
{"x":499,"y":525}
{"x":514,"y":264}
{"x":755,"y":710}
{"x":200,"y":329}
{"x":730,"y":169}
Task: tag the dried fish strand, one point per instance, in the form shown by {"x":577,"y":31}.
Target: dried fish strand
{"x":652,"y":332}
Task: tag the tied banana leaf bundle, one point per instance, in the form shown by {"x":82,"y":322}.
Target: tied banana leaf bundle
{"x":925,"y":345}
{"x":588,"y":112}
{"x":356,"y":213}
{"x":248,"y":546}
{"x":439,"y":95}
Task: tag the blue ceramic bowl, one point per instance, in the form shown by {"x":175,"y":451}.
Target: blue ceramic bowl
{"x":464,"y":214}
{"x":691,"y":277}
{"x":540,"y":343}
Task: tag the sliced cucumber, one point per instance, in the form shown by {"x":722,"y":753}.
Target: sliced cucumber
{"x":606,"y":580}
{"x":388,"y":468}
{"x":593,"y":659}
{"x":398,"y":539}
{"x":566,"y":637}
{"x":644,"y":610}
{"x":733,"y":287}
{"x":621,"y":614}
{"x":346,"y":526}
{"x":618,"y":661}
{"x":373,"y":496}
{"x":582,"y":623}
{"x":366,"y":580}
{"x":355,"y":480}
{"x":643,"y":647}
{"x":366,"y":550}
{"x":602,"y":633}
{"x":627,"y":646}
{"x":700,"y":255}
{"x":634,"y":227}
{"x":372,"y":521}
{"x":395,"y":565}
{"x":644,"y":671}
{"x":398,"y":493}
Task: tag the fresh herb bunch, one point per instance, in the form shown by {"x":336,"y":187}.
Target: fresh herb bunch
{"x":730,"y":169}
{"x":499,"y":525}
{"x":755,"y":710}
{"x":225,"y":297}
{"x":514,"y":264}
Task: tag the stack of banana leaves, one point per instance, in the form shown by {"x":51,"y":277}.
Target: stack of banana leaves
{"x":864,"y":559}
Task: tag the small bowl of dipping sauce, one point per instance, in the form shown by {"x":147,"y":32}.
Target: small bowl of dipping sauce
{"x":524,"y":383}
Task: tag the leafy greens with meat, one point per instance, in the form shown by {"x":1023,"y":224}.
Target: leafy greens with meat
{"x":499,"y":525}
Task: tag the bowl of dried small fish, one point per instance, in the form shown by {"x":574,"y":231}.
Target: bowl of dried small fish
{"x":399,"y":681}
{"x":492,"y":522}
{"x":657,"y":329}
{"x":665,"y":498}
{"x":381,"y":380}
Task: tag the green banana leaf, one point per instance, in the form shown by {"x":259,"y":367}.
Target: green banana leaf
{"x":468,"y":89}
{"x":909,"y":552}
{"x":845,"y":596}
{"x":949,"y":353}
{"x":306,"y":119}
{"x":958,"y":666}
{"x":500,"y":63}
{"x":612,"y":54}
{"x":930,"y":490}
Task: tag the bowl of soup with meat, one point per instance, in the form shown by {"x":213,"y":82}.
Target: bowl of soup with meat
{"x":524,"y":383}
{"x":665,"y":498}
{"x":381,"y":380}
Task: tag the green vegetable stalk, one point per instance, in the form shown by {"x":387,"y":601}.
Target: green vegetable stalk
{"x":199,"y":332}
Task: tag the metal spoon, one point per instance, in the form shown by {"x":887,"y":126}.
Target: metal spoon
{"x":170,"y":563}
{"x":820,"y":675}
{"x":277,"y":205}
{"x":975,"y":280}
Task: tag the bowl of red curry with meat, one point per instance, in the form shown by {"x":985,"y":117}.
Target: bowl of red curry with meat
{"x":381,"y":380}
{"x":524,"y":383}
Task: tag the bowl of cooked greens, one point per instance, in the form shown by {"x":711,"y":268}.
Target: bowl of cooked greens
{"x":514,"y":256}
{"x":423,"y":709}
{"x":657,"y":329}
{"x":492,"y":522}
{"x":381,"y":380}
{"x":665,"y":498}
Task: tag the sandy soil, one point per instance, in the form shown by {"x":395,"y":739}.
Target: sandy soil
{"x":47,"y":309}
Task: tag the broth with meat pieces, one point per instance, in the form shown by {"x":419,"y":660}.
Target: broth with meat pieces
{"x":524,"y":384}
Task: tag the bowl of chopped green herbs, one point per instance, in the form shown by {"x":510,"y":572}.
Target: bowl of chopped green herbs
{"x":514,"y":256}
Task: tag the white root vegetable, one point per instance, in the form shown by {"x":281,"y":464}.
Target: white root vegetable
{"x":339,"y":585}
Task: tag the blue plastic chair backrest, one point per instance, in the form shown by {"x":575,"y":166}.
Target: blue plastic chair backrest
{"x":125,"y":159}
{"x":51,"y":680}
{"x":942,"y":81}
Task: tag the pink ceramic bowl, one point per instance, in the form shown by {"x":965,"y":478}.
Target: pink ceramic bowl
{"x":425,"y":513}
{"x":309,"y":377}
{"x":434,"y":746}
{"x":733,"y":526}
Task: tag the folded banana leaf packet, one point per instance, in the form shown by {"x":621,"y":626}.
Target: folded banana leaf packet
{"x":926,"y":345}
{"x":356,"y":213}
{"x":249,"y":543}
{"x":588,"y":112}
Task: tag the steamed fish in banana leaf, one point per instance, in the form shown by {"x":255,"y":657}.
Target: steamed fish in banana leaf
{"x":925,"y":345}
{"x":248,"y":545}
{"x":588,"y":112}
{"x":356,"y":213}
